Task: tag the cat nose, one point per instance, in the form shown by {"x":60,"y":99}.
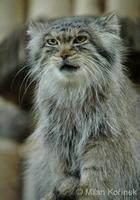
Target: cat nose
{"x":65,"y":55}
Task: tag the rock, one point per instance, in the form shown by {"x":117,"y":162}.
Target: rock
{"x":49,"y":9}
{"x":131,"y":33}
{"x":11,"y":16}
{"x":14,"y":123}
{"x":88,"y":7}
{"x":12,"y":53}
{"x":125,"y":8}
{"x":10,"y":170}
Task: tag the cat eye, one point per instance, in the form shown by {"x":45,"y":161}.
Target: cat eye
{"x":52,"y":42}
{"x":80,"y":39}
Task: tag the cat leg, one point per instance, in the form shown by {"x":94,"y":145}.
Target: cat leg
{"x":65,"y":189}
{"x":63,"y":184}
{"x":103,"y":171}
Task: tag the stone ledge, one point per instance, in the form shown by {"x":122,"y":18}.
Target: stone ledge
{"x":10,"y":170}
{"x":131,"y":33}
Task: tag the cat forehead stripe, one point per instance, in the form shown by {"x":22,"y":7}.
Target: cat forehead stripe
{"x":69,"y":32}
{"x":67,"y":23}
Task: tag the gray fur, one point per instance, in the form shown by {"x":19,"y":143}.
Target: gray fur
{"x":86,"y":139}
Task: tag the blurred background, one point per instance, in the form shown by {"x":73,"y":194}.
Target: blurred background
{"x":16,"y":88}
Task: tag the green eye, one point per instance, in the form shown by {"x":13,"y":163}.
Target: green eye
{"x":52,"y":42}
{"x":80,"y":39}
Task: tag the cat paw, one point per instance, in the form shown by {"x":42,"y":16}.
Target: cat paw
{"x":65,"y":189}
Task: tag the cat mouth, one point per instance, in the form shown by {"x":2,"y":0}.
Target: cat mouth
{"x":69,"y":68}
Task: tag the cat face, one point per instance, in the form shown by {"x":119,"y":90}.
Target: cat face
{"x":65,"y":47}
{"x":75,"y":50}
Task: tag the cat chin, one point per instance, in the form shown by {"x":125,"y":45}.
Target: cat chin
{"x":70,"y":80}
{"x":70,"y":76}
{"x":67,"y":83}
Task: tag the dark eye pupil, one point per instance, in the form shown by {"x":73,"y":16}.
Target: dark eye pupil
{"x":52,"y":41}
{"x":80,"y":39}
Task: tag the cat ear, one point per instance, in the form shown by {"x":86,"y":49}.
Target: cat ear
{"x":34,"y":28}
{"x":110,"y":22}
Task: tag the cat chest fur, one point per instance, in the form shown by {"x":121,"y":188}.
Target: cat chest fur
{"x":67,"y":131}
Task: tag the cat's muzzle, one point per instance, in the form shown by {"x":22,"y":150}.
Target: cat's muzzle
{"x":66,"y":66}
